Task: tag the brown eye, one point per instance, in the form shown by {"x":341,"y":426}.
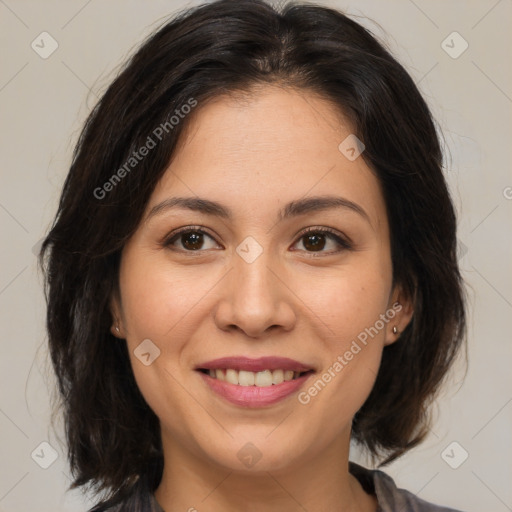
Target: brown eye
{"x":192,"y":240}
{"x":314,"y":242}
{"x":322,"y":240}
{"x":188,"y":240}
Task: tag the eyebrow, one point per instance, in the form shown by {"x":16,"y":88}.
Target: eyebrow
{"x":292,"y":209}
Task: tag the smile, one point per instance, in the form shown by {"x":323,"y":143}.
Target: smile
{"x":254,"y":382}
{"x":259,"y":379}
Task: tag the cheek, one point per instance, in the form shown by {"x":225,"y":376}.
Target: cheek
{"x":349,"y":303}
{"x":164,"y":304}
{"x":158,"y":298}
{"x":159,"y":304}
{"x":349,"y":300}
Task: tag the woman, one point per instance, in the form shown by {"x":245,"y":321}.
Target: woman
{"x":253,"y":262}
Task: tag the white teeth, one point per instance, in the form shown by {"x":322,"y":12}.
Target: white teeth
{"x":277,"y":376}
{"x":263,"y":379}
{"x":245,"y":378}
{"x":260,"y":379}
{"x":231,"y":376}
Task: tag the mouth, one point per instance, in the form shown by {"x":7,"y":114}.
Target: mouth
{"x":260,"y":379}
{"x":254,"y":382}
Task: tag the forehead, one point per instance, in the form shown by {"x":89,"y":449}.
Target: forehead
{"x":265,"y":149}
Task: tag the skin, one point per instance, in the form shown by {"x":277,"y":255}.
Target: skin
{"x":254,"y":156}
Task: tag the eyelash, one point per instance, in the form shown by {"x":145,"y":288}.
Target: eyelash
{"x":343,"y":243}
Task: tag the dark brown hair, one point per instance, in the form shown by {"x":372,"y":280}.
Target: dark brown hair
{"x":219,"y":48}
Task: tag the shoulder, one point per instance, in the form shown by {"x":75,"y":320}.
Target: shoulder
{"x":389,"y":497}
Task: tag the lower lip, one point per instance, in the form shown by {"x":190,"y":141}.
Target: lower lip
{"x":254,"y":396}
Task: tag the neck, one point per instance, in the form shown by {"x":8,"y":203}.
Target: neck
{"x":317,"y":483}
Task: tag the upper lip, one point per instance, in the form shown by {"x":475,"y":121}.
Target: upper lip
{"x":255,"y":365}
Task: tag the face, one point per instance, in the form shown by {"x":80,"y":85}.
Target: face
{"x":277,"y":258}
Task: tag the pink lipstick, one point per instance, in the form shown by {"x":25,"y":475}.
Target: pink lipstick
{"x":254,"y":382}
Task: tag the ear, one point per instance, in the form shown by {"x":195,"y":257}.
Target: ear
{"x":116,"y":328}
{"x":399,"y":312}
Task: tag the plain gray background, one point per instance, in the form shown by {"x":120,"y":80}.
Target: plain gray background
{"x":44,"y":102}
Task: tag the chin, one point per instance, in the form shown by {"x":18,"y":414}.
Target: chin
{"x":257,"y":453}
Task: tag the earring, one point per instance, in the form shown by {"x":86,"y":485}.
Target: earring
{"x":395,"y":330}
{"x":117,"y":328}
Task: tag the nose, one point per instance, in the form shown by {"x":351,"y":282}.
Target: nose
{"x":254,"y":299}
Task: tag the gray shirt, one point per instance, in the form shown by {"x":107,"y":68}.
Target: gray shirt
{"x":389,"y":497}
